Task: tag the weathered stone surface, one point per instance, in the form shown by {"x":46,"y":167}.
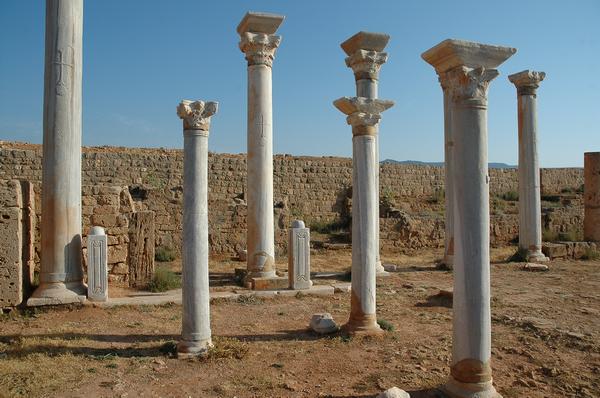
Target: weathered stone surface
{"x":591,"y":194}
{"x":535,"y":267}
{"x":299,"y":256}
{"x":394,"y":392}
{"x":97,"y":265}
{"x":323,"y":324}
{"x":274,"y":283}
{"x":11,"y":241}
{"x":554,"y":250}
{"x":141,"y":248}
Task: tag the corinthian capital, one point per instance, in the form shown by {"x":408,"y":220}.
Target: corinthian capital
{"x":259,"y":47}
{"x":366,"y":64}
{"x":468,"y":86}
{"x":363,"y":113}
{"x":527,"y":81}
{"x":196,"y":114}
{"x":365,"y":54}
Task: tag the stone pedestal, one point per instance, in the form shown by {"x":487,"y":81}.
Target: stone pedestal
{"x":195,"y":334}
{"x":61,"y":271}
{"x":530,"y":206}
{"x":97,"y":263}
{"x":466,"y":69}
{"x":363,"y":115}
{"x":365,"y":57}
{"x":591,"y":195}
{"x":259,"y":43}
{"x":299,"y":256}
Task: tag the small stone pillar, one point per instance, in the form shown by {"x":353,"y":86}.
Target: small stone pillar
{"x":365,"y":57}
{"x":530,"y":205}
{"x":466,"y":69}
{"x":195,"y":334}
{"x":299,"y":256}
{"x":259,"y":43}
{"x":61,"y":270}
{"x":97,"y":263}
{"x":363,"y":115}
{"x":591,"y":196}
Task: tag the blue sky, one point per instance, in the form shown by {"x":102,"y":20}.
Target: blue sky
{"x":142,"y":57}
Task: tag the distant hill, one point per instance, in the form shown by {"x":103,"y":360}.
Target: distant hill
{"x":441,"y":164}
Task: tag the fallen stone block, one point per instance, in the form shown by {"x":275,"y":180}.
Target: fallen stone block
{"x":323,"y":324}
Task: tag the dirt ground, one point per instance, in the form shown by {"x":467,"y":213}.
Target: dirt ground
{"x":545,"y":325}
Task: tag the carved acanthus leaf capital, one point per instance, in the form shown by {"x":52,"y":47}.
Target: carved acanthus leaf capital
{"x":196,"y":114}
{"x":366,"y":64}
{"x":259,"y":47}
{"x":468,"y":86}
{"x":527,"y":82}
{"x":363,"y":113}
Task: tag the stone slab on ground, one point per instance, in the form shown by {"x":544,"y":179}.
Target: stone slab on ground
{"x":174,"y":296}
{"x":276,"y":283}
{"x":41,"y":301}
{"x":565,"y":250}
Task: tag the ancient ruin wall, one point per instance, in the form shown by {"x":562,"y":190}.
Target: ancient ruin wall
{"x":316,"y":189}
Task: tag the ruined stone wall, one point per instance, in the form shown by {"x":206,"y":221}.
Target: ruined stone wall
{"x":316,"y":189}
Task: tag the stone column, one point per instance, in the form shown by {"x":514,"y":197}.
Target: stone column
{"x":259,"y":43}
{"x":530,"y":205}
{"x":448,"y":260}
{"x":61,"y":272}
{"x":195,"y":334}
{"x":591,"y":196}
{"x":365,"y":57}
{"x":466,"y":69}
{"x":363,"y":115}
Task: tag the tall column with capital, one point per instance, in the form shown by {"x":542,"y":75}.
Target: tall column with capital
{"x":530,"y":205}
{"x":195,"y":335}
{"x":259,"y":43}
{"x":363,"y":115}
{"x":365,"y":57}
{"x":466,"y":69}
{"x":61,"y":272}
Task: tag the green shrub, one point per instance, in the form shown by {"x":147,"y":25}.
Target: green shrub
{"x":164,"y":279}
{"x":164,"y":254}
{"x":549,"y":236}
{"x":510,"y":196}
{"x":385,"y":325}
{"x":570,"y":236}
{"x":591,"y":254}
{"x":328,"y":227}
{"x":550,"y":198}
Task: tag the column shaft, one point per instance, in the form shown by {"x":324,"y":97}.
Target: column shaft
{"x":261,"y":235}
{"x":364,"y":229}
{"x":196,"y":333}
{"x":591,"y":195}
{"x":530,"y":207}
{"x":61,"y":276}
{"x":448,"y":182}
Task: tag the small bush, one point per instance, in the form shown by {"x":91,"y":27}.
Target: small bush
{"x":329,"y":227}
{"x":437,"y":197}
{"x":520,"y":256}
{"x":550,"y":198}
{"x":591,"y":254}
{"x":570,"y":236}
{"x":568,"y":190}
{"x":549,"y":236}
{"x":164,"y":254}
{"x":510,"y":196}
{"x":227,"y":348}
{"x":386,"y":325}
{"x":164,"y":279}
{"x":250,"y":299}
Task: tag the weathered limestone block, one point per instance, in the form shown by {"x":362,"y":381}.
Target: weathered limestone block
{"x":299,"y":256}
{"x":141,"y":248}
{"x":11,"y":265}
{"x":97,"y":265}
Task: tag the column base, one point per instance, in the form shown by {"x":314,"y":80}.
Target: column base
{"x":57,"y":293}
{"x":193,"y":349}
{"x":366,"y":326}
{"x":448,"y":261}
{"x":268,"y":283}
{"x":380,"y":271}
{"x":537,"y":257}
{"x":456,"y":389}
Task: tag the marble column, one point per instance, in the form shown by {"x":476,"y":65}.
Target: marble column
{"x":448,"y":259}
{"x":466,"y":69}
{"x":61,"y":272}
{"x":195,"y":334}
{"x":365,"y":57}
{"x":591,"y":196}
{"x":530,"y":205}
{"x":363,"y":115}
{"x":259,"y":43}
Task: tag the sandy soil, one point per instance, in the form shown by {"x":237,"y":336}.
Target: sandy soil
{"x":546,"y":342}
